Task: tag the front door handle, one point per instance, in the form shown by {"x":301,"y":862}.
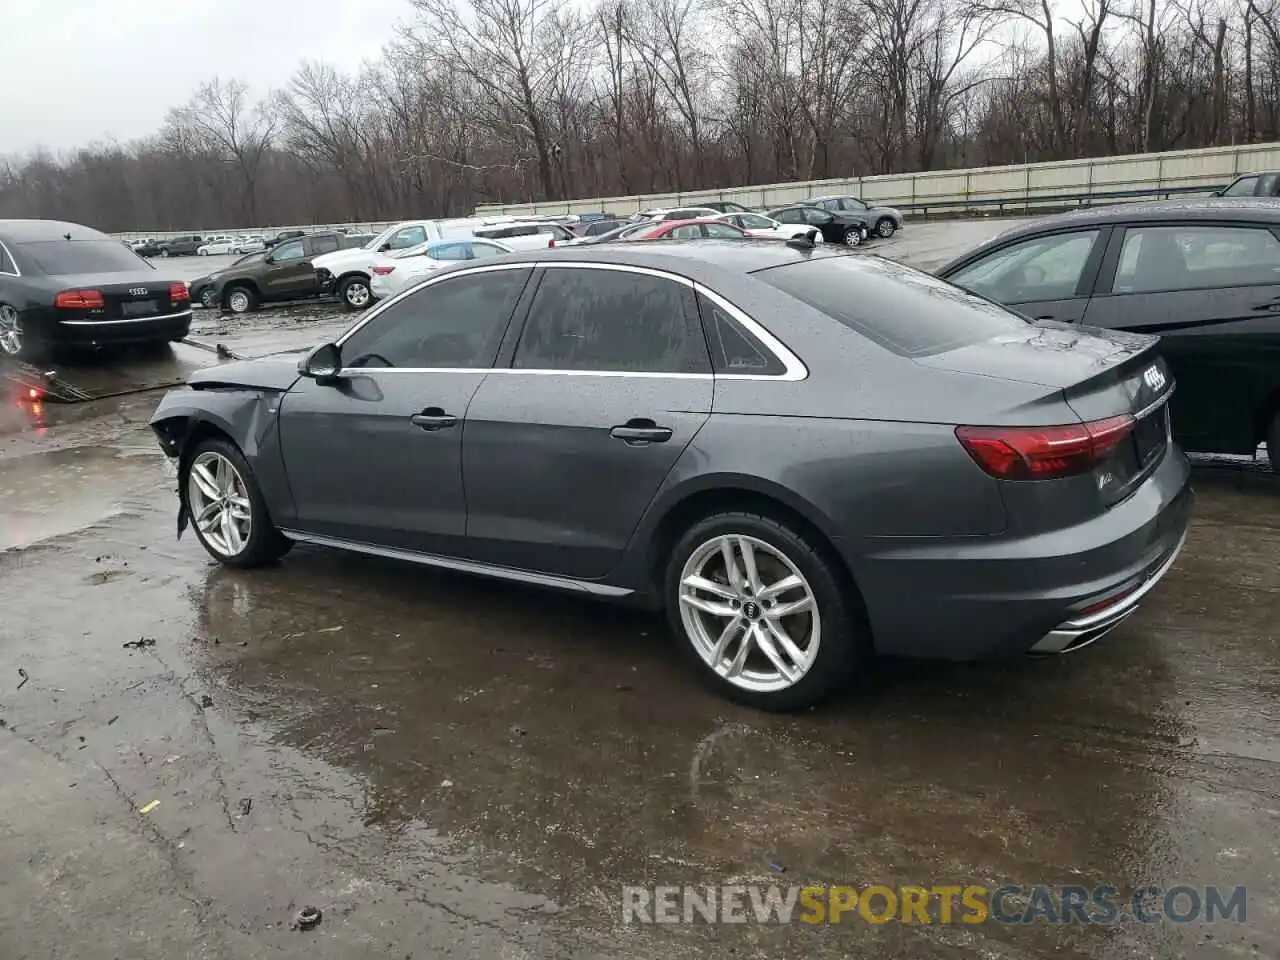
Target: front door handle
{"x":638,"y":430}
{"x":433,"y":418}
{"x":1047,"y":316}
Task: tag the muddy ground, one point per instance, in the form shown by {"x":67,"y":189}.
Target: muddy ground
{"x":451,"y":767}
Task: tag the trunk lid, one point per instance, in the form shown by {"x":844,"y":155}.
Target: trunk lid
{"x":129,"y":295}
{"x":1103,"y":374}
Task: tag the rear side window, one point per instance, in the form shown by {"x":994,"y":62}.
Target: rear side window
{"x":611,"y":320}
{"x":1196,"y":257}
{"x":1043,"y":268}
{"x":904,"y":310}
{"x":67,"y":257}
{"x":733,"y":348}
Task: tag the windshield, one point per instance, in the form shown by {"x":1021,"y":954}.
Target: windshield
{"x":69,"y":257}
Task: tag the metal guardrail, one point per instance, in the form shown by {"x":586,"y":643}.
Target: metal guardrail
{"x":1042,"y":204}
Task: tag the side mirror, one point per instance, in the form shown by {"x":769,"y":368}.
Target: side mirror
{"x":322,"y":363}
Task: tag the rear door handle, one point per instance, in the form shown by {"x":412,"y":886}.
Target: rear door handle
{"x":639,"y":430}
{"x":433,"y":418}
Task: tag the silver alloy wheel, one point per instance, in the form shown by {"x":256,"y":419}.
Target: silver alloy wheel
{"x":357,"y":293}
{"x":10,"y":331}
{"x":852,"y":237}
{"x":219,"y":503}
{"x":749,"y":613}
{"x":885,"y":228}
{"x":238,"y":301}
{"x":208,"y":299}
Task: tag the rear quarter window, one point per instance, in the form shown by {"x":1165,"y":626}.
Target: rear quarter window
{"x":905,"y":311}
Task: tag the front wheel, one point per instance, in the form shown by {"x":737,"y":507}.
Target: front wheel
{"x":852,"y":237}
{"x":226,"y":507}
{"x":241,"y":300}
{"x":761,"y":611}
{"x":885,"y":228}
{"x":202,"y":253}
{"x":354,"y":293}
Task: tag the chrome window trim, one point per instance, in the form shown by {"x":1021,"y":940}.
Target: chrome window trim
{"x":794,"y":368}
{"x":110,"y":323}
{"x":17,"y":270}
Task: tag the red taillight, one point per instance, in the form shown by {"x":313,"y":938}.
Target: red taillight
{"x":179,"y":291}
{"x":80,"y":300}
{"x":551,"y":243}
{"x":383,"y":271}
{"x":1043,"y":453}
{"x":33,"y":394}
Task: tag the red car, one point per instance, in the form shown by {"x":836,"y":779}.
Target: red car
{"x":691,"y":230}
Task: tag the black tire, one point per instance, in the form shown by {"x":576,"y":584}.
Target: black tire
{"x":240,"y":299}
{"x":349,"y":292}
{"x":885,"y":228}
{"x":265,"y":544}
{"x":843,"y":632}
{"x":164,"y":252}
{"x":29,"y":350}
{"x":1273,"y":443}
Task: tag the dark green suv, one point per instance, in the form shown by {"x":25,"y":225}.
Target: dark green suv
{"x":283,"y":272}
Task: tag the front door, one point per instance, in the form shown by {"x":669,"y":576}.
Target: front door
{"x":376,"y":457}
{"x":289,"y":273}
{"x":1212,"y":293}
{"x":565,"y":450}
{"x":1044,"y":278}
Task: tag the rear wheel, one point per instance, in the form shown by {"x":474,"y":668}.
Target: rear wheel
{"x":354,"y":293}
{"x":226,"y":507}
{"x":14,"y":342}
{"x":852,"y":237}
{"x":241,"y":300}
{"x":885,"y":227}
{"x":761,"y":611}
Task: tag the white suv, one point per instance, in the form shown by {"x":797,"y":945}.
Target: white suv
{"x":522,"y":235}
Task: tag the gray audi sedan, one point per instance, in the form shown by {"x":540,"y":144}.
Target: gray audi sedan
{"x":804,"y":456}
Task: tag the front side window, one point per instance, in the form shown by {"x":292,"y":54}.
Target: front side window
{"x":1045,"y":268}
{"x":1243,"y":187}
{"x":790,"y":215}
{"x":294,"y":250}
{"x":853,"y":203}
{"x":753,"y":221}
{"x":458,"y":322}
{"x":610,"y":320}
{"x":408,"y":237}
{"x":1196,"y":257}
{"x":815,"y":217}
{"x":690,"y":231}
{"x":722,"y":231}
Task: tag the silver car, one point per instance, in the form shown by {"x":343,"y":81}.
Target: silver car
{"x":804,"y":456}
{"x":885,"y":221}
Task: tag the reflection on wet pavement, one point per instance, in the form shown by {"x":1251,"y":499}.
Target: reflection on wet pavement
{"x":416,"y":742}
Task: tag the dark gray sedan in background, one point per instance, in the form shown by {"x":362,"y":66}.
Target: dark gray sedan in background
{"x":804,"y":456}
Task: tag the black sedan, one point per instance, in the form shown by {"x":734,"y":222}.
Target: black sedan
{"x":836,"y":226}
{"x":882,"y":461}
{"x":61,"y":283}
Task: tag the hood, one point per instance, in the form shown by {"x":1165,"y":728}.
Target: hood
{"x":1049,"y":354}
{"x":345,"y":259}
{"x":277,"y":372}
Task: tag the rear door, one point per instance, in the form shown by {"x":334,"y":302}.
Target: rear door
{"x":609,"y":382}
{"x":1211,"y":291}
{"x":1043,"y":278}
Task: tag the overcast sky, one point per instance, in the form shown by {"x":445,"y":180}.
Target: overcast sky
{"x":74,"y":71}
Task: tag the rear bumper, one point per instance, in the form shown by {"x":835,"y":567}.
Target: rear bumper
{"x":1049,"y":593}
{"x":170,"y":326}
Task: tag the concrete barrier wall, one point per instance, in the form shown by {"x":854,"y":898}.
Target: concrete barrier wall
{"x":1029,"y":183}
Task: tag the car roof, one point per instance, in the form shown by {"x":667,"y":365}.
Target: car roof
{"x":1149,"y":211}
{"x":706,"y":260}
{"x":35,"y":231}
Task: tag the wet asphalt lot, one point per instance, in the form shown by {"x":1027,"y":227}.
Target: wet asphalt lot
{"x":451,"y":767}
